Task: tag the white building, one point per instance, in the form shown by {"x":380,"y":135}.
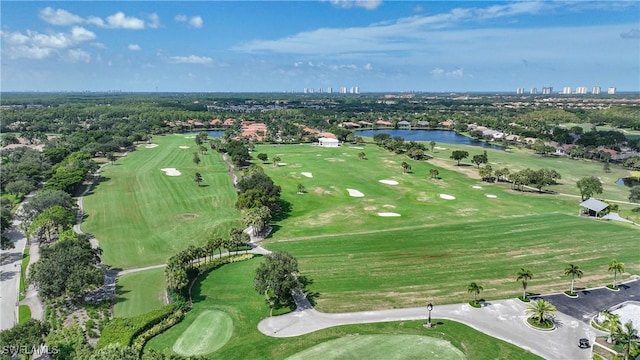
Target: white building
{"x":520,"y":91}
{"x":328,"y":142}
{"x":547,"y":90}
{"x":566,"y":90}
{"x":329,"y":90}
{"x":533,"y":91}
{"x":581,"y":90}
{"x":596,"y":90}
{"x":611,"y":90}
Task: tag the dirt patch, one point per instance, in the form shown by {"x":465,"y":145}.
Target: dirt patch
{"x":187,"y":216}
{"x":470,"y":171}
{"x":370,"y":208}
{"x":466,"y":212}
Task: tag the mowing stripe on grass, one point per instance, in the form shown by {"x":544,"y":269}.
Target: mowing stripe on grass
{"x":208,"y":333}
{"x":382,"y":347}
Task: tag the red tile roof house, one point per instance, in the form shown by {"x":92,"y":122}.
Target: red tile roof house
{"x":383,"y":123}
{"x":253,"y":131}
{"x":229,"y":122}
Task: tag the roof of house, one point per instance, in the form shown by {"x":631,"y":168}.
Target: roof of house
{"x":594,"y":204}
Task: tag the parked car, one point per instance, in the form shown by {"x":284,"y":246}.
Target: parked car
{"x":584,"y":343}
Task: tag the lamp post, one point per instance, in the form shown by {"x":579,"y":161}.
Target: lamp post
{"x":428,"y":324}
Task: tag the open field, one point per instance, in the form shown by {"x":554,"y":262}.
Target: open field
{"x":139,"y":292}
{"x":142,"y":216}
{"x":359,"y":260}
{"x":229,"y":289}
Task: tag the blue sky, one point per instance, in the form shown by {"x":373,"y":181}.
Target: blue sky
{"x":275,"y":46}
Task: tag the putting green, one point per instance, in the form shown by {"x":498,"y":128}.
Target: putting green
{"x":382,"y":347}
{"x":208,"y":333}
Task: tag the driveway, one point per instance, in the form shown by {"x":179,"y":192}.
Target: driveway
{"x":503,"y":319}
{"x":10,"y":261}
{"x":589,"y":302}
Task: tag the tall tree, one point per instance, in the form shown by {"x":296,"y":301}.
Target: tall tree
{"x":433,"y":173}
{"x":634,"y":194}
{"x":573,"y":271}
{"x":26,"y":335}
{"x":276,"y":161}
{"x":541,"y":310}
{"x":277,"y":277}
{"x":362,"y":155}
{"x":263,"y":157}
{"x":629,"y":339}
{"x":458,"y":155}
{"x":589,"y":186}
{"x":196,"y":158}
{"x":480,"y":159}
{"x":300,"y":189}
{"x":524,"y":275}
{"x":474,"y":289}
{"x":432,"y":145}
{"x":616,"y":267}
{"x":197,"y":177}
{"x":405,"y":167}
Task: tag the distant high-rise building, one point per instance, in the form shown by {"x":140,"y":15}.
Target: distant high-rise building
{"x":305,"y":90}
{"x":596,"y":90}
{"x":533,"y":91}
{"x":520,"y":91}
{"x":581,"y":90}
{"x":356,"y":90}
{"x":611,"y":90}
{"x":329,"y":90}
{"x":343,"y":89}
{"x":566,"y":90}
{"x":320,"y":90}
{"x":547,"y":90}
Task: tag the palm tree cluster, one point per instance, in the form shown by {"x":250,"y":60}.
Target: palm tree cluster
{"x":182,"y":265}
{"x":541,"y":310}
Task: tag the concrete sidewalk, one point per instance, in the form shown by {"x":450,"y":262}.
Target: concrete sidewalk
{"x":503,"y":319}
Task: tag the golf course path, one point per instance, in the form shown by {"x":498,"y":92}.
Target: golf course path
{"x":503,"y":319}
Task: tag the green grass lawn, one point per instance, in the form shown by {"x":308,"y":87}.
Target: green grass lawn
{"x":359,"y":260}
{"x":229,"y":290}
{"x":23,"y":272}
{"x":210,"y":331}
{"x":139,"y":293}
{"x":141,"y":216}
{"x":24,"y":313}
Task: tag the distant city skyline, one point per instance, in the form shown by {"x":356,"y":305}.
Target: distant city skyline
{"x":287,"y":46}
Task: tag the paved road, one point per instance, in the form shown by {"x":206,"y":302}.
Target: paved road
{"x":590,"y":302}
{"x":10,"y":261}
{"x":503,"y":319}
{"x":31,"y":298}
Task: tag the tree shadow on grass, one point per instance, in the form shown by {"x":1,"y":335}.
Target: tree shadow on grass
{"x":119,"y":292}
{"x":284,"y":212}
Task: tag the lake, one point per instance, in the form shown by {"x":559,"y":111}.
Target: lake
{"x":439,"y":136}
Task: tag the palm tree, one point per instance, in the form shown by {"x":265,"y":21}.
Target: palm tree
{"x":434,"y":173}
{"x":432,"y":145}
{"x":300,"y":189}
{"x":524,"y":275}
{"x":612,"y":324}
{"x":405,"y":167}
{"x":573,"y":271}
{"x":196,"y":158}
{"x":476,"y":290}
{"x":361,"y":155}
{"x":541,"y":310}
{"x":629,"y":339}
{"x":218,"y":244}
{"x":276,"y":160}
{"x":616,"y":267}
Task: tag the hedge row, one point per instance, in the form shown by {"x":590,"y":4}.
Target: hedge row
{"x":125,"y":330}
{"x":174,"y":318}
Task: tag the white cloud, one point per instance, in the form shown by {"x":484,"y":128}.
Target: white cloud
{"x":59,"y":16}
{"x":368,"y":67}
{"x":191,"y":59}
{"x":35,"y":45}
{"x":154,"y":21}
{"x":120,"y":21}
{"x":347,"y":4}
{"x":134,"y":47}
{"x":77,"y":55}
{"x":196,"y":22}
{"x":453,"y":74}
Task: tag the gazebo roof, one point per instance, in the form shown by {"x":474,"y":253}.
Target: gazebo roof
{"x":594,"y":204}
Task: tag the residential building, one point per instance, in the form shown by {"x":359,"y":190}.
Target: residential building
{"x":611,"y":90}
{"x":566,"y":90}
{"x":547,"y":90}
{"x":581,"y":90}
{"x":596,"y":90}
{"x":520,"y":91}
{"x":533,"y":91}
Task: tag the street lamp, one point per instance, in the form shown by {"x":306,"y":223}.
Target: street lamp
{"x":428,"y":324}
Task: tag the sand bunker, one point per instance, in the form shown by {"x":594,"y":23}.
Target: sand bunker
{"x":388,"y":214}
{"x":447,"y":197}
{"x":491,"y":196}
{"x":189,"y":137}
{"x":355,"y":193}
{"x":171,"y":171}
{"x":477,"y":187}
{"x":151,"y":146}
{"x":282,"y":164}
{"x":439,"y":148}
{"x":357,"y":147}
{"x":389,"y":182}
{"x":307,"y":174}
{"x":183,"y":147}
{"x":388,"y":206}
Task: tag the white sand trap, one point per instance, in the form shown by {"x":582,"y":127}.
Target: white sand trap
{"x":171,"y":171}
{"x":389,"y":182}
{"x":357,"y":147}
{"x":477,"y":187}
{"x":447,"y":197}
{"x":151,"y":146}
{"x":491,"y":196}
{"x":282,"y":164}
{"x":388,"y":214}
{"x":355,"y":193}
{"x":388,"y":206}
{"x":189,"y":137}
{"x":439,"y":148}
{"x":307,"y":174}
{"x":183,"y":147}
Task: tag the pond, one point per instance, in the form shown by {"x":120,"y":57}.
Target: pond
{"x":439,"y":136}
{"x":628,"y":182}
